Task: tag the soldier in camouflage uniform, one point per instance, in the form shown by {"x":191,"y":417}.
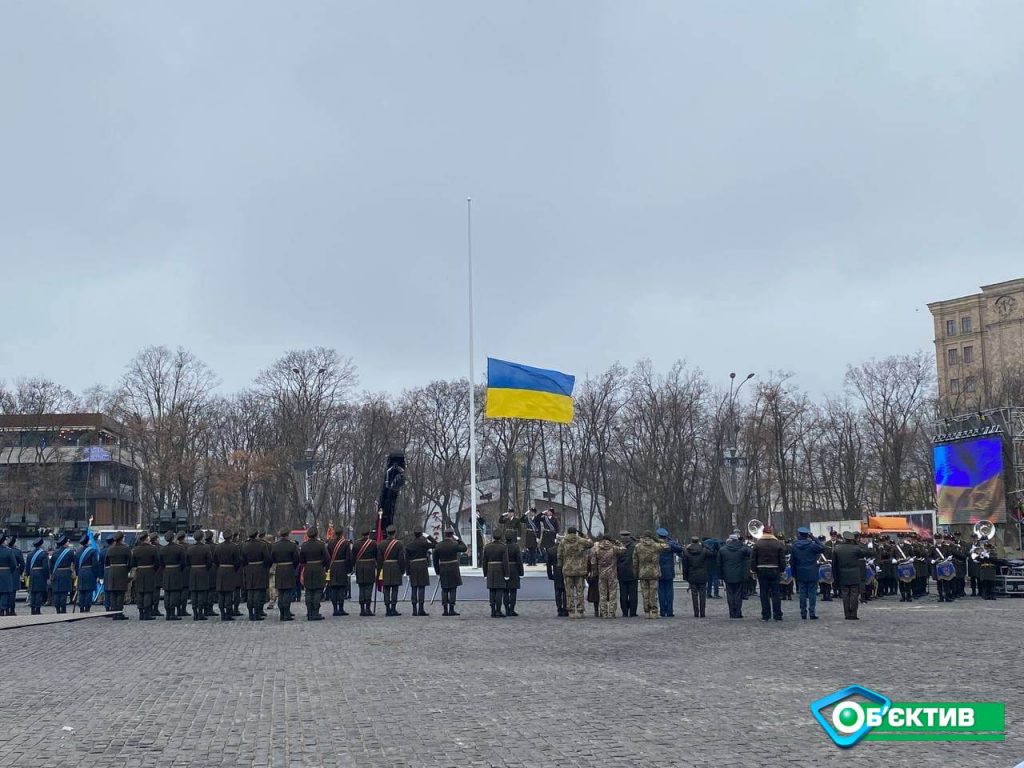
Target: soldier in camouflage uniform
{"x":647,"y":566}
{"x":605,"y":556}
{"x":572,"y":554}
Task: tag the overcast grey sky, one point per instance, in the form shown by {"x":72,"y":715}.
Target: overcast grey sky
{"x":748,"y":186}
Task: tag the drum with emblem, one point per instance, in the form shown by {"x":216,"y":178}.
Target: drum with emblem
{"x":825,"y":573}
{"x":945,"y":570}
{"x":905,"y":571}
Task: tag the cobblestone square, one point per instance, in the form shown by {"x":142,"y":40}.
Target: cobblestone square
{"x":474,"y":691}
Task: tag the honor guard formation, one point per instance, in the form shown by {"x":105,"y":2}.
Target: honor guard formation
{"x":626,"y":574}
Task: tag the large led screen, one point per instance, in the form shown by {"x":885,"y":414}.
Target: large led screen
{"x":969,"y":481}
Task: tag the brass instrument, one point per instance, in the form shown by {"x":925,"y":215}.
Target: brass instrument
{"x":755,"y":528}
{"x":984,"y":530}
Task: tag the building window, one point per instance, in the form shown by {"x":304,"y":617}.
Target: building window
{"x":965,"y":325}
{"x":104,"y":479}
{"x":954,"y":386}
{"x":951,"y":356}
{"x":968,"y":354}
{"x":969,"y":384}
{"x":951,"y":327}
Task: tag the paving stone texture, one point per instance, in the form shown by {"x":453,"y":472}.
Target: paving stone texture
{"x":474,"y":691}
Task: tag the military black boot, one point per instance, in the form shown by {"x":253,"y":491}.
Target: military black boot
{"x":423,"y":612}
{"x":341,"y":608}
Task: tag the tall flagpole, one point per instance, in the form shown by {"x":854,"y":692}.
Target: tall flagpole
{"x":472,"y":384}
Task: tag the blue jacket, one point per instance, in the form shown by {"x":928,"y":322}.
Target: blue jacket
{"x":667,"y":559}
{"x":8,"y":569}
{"x":60,"y":569}
{"x":87,"y":566}
{"x":38,"y":570}
{"x":803,"y":559}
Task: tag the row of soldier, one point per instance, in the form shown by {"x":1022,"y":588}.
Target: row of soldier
{"x":604,"y":572}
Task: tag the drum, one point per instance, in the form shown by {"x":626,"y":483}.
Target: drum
{"x":825,"y":573}
{"x":945,"y":570}
{"x":787,"y":576}
{"x":869,"y":574}
{"x":905,"y":571}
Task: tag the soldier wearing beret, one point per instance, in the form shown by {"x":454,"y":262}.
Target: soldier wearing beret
{"x":145,"y":560}
{"x":339,"y":569}
{"x":172,"y":563}
{"x":115,"y":574}
{"x":366,"y":571}
{"x":285,"y":554}
{"x":313,"y":557}
{"x":227,"y":559}
{"x":182,"y":609}
{"x":391,"y":564}
{"x":38,"y":577}
{"x":417,"y":554}
{"x":515,"y":573}
{"x":255,"y":574}
{"x":554,"y":570}
{"x":446,"y":566}
{"x":495,"y":567}
{"x":200,"y":560}
{"x":211,"y":593}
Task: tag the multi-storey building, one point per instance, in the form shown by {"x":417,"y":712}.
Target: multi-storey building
{"x":979,"y":343}
{"x":59,"y":471}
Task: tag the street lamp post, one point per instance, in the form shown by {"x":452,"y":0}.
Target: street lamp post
{"x":733,"y":470}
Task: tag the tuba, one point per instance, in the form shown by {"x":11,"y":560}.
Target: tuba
{"x":755,"y":528}
{"x":983,"y":529}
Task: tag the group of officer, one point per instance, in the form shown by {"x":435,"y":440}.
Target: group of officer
{"x":47,"y":573}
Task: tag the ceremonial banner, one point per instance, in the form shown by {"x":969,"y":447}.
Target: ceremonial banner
{"x":516,"y":391}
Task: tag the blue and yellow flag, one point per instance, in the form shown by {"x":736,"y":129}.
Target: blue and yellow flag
{"x":516,"y":391}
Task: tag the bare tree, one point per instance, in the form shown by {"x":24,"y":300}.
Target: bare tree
{"x":891,"y":391}
{"x":165,"y":406}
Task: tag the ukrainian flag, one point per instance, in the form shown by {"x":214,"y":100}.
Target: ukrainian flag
{"x":516,"y":391}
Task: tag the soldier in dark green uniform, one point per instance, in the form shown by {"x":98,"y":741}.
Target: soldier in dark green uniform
{"x":495,"y":567}
{"x":238,"y":594}
{"x":182,"y":607}
{"x":848,"y":572}
{"x":417,"y":554}
{"x":255,"y":574}
{"x":227,"y":559}
{"x":339,"y":567}
{"x":554,"y":569}
{"x":313,"y":557}
{"x":200,"y":560}
{"x":265,"y":542}
{"x":211,"y":593}
{"x":446,"y":566}
{"x":391,"y":563}
{"x":515,"y":573}
{"x":145,"y":560}
{"x":172,"y":563}
{"x":365,"y":560}
{"x":38,"y":568}
{"x":285,"y":555}
{"x":115,"y":574}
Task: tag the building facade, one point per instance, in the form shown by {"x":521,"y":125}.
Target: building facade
{"x":979,"y":343}
{"x":59,"y":471}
